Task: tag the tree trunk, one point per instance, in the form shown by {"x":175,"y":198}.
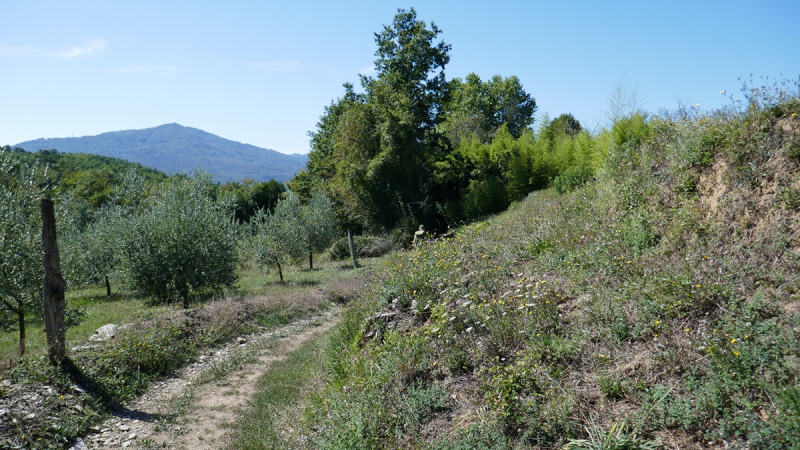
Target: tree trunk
{"x":280,"y":271}
{"x":108,"y":288}
{"x":53,"y":287}
{"x":311,"y":260}
{"x":21,"y":317}
{"x":185,"y":296}
{"x":352,"y":248}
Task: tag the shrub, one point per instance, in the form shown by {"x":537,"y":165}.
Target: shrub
{"x":485,"y":197}
{"x":572,"y":178}
{"x":365,"y":247}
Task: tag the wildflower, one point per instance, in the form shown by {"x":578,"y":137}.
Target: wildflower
{"x":686,"y":330}
{"x":733,"y":341}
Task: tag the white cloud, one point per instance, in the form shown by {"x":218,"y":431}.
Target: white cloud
{"x":150,"y":68}
{"x":92,"y":47}
{"x":279,"y":66}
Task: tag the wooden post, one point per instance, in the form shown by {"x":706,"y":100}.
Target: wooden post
{"x":53,"y":287}
{"x":352,"y":248}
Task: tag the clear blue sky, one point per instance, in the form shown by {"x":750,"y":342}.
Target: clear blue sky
{"x":260,"y":72}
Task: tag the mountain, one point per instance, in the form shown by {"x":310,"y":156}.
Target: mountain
{"x":174,"y":148}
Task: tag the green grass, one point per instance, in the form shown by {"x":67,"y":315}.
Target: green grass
{"x":96,"y":310}
{"x":280,"y":389}
{"x":254,"y":280}
{"x":633,"y":300}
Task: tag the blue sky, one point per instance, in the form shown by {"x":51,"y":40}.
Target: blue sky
{"x":261,"y":72}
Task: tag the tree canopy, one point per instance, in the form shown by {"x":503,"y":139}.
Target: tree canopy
{"x":388,"y":156}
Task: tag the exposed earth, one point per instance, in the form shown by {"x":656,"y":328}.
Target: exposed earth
{"x":195,"y":409}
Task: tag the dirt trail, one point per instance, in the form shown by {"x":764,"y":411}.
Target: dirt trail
{"x":186,"y":413}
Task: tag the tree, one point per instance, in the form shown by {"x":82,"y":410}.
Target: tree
{"x":319,"y":224}
{"x":477,"y":109}
{"x":99,"y":247}
{"x":183,"y":243}
{"x":250,"y":196}
{"x":277,"y":235}
{"x":411,"y":63}
{"x":21,"y":270}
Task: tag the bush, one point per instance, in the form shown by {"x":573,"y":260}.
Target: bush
{"x":572,"y":178}
{"x":365,"y":247}
{"x":485,"y":197}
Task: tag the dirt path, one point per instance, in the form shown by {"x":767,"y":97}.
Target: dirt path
{"x":194,"y":409}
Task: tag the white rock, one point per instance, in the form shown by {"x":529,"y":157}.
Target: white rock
{"x":79,"y":445}
{"x":104,"y":333}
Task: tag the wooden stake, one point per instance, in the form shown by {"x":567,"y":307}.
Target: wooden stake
{"x":53,"y":287}
{"x":352,"y":248}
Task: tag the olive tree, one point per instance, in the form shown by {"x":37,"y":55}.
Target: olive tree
{"x":95,"y":253}
{"x":318,"y":224}
{"x":293,"y":230}
{"x":277,"y":236}
{"x":182,"y":243}
{"x":21,"y":269}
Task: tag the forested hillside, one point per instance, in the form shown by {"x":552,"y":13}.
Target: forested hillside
{"x":175,"y":149}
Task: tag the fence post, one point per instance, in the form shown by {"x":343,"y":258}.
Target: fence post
{"x":53,"y":287}
{"x":352,"y":248}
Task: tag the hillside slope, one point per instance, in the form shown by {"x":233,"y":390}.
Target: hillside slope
{"x":174,"y":148}
{"x":657,"y":306}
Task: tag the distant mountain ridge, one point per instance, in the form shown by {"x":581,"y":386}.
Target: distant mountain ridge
{"x":174,"y":148}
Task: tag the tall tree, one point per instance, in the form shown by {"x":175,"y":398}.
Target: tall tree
{"x":411,"y":63}
{"x":477,"y":109}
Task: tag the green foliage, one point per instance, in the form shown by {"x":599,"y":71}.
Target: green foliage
{"x":22,"y":186}
{"x":293,"y":230}
{"x":617,"y":437}
{"x":403,"y":152}
{"x":250,"y":196}
{"x":680,"y":312}
{"x":477,"y":109}
{"x":572,"y":178}
{"x":183,"y":244}
{"x":485,"y":197}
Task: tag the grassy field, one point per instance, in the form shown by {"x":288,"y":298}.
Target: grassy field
{"x":96,"y":310}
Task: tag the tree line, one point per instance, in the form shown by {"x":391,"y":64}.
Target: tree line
{"x":411,"y":147}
